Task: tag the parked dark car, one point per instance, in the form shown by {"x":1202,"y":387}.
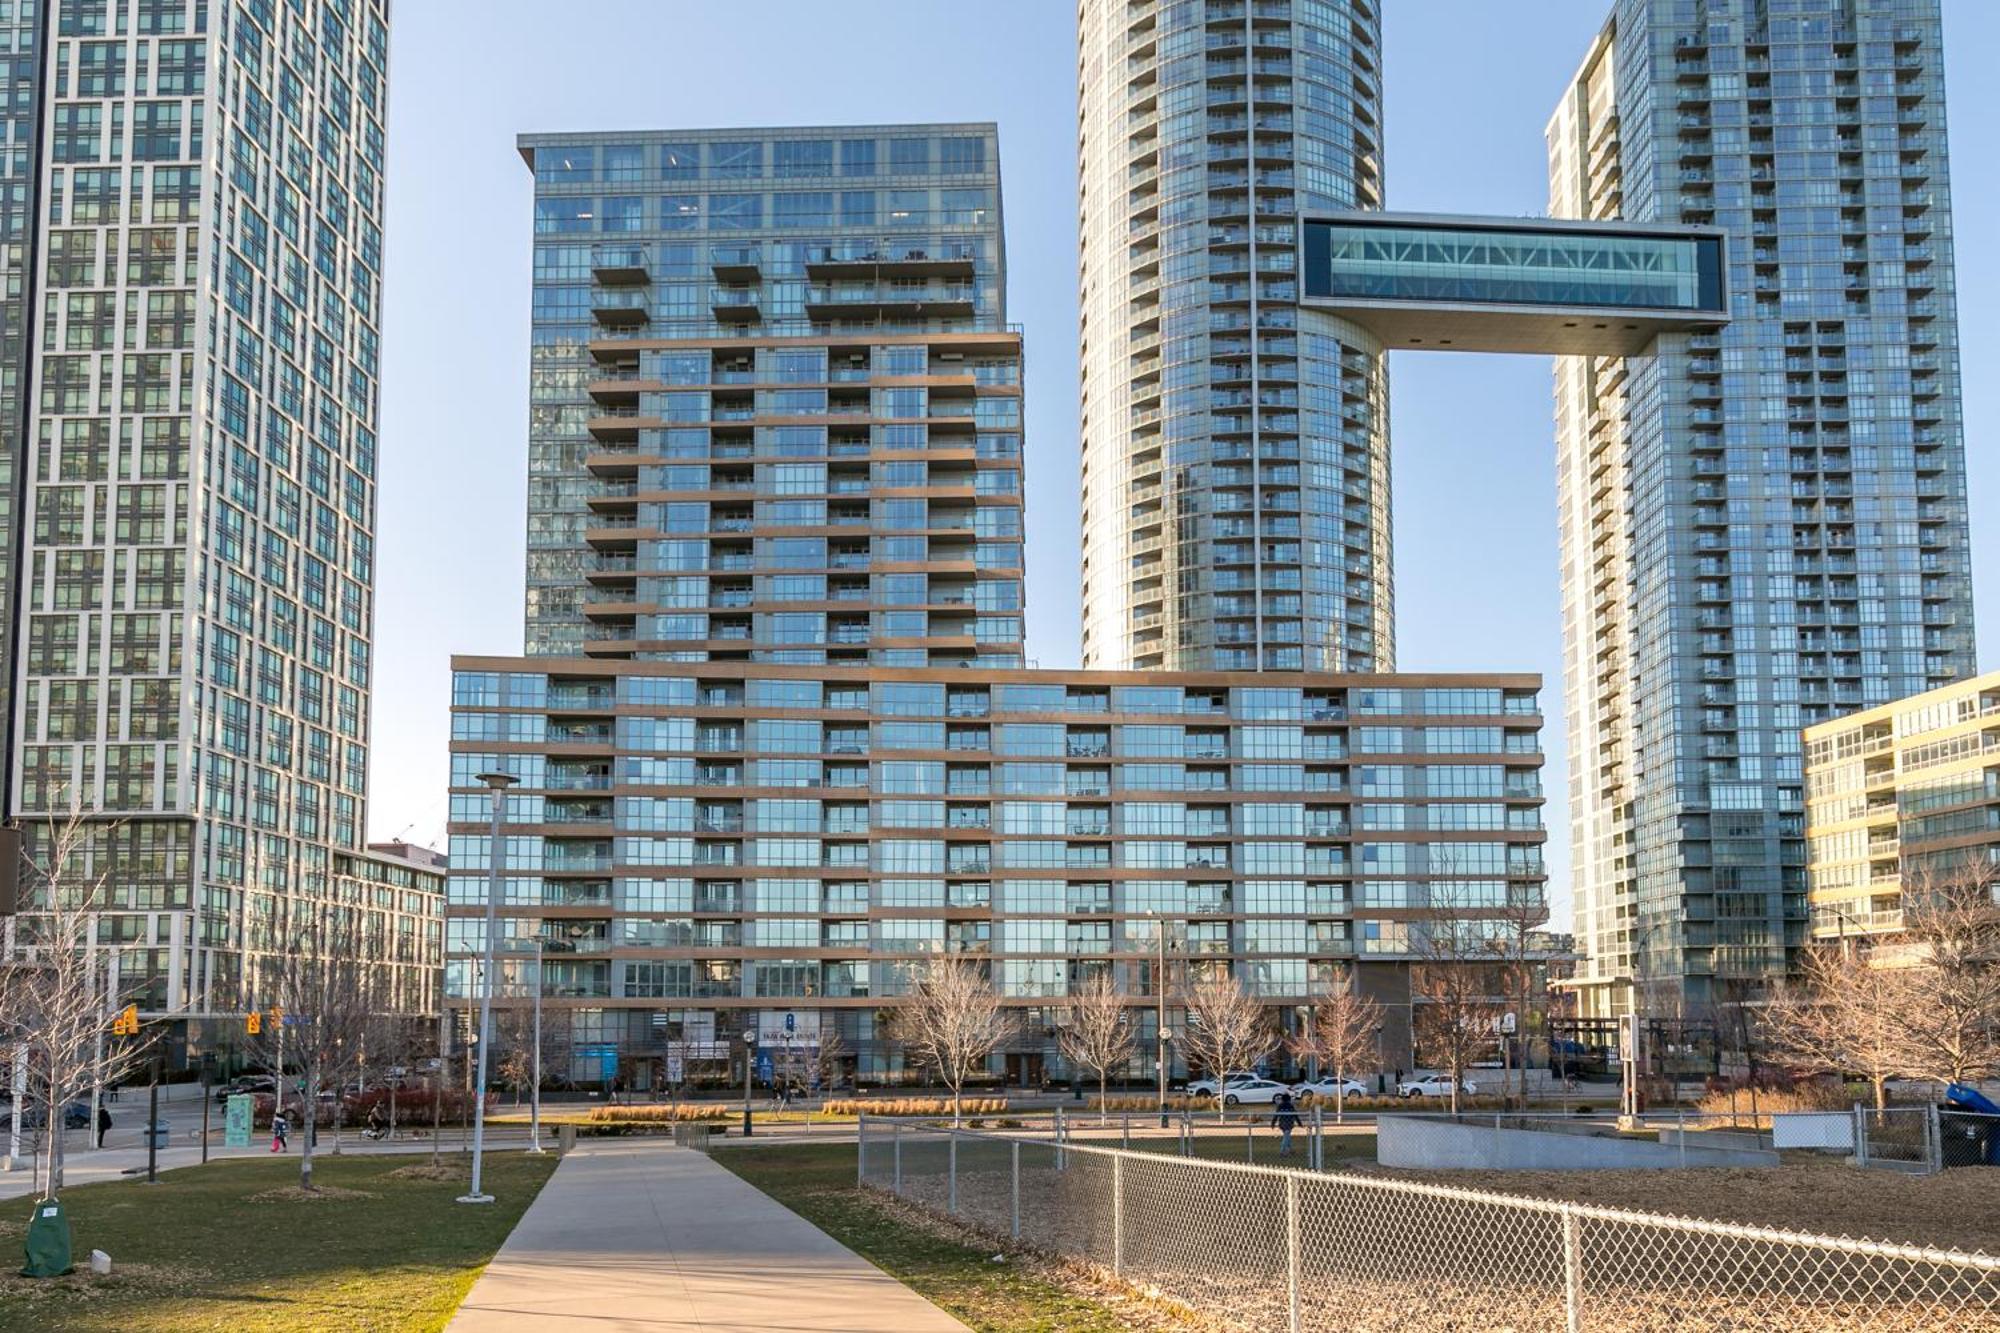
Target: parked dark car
{"x":35,"y":1114}
{"x":251,"y":1083}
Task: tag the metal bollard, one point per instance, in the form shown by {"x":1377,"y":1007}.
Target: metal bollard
{"x":1016,"y":1208}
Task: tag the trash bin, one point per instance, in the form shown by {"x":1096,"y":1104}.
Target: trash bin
{"x":566,"y":1138}
{"x":156,"y":1134}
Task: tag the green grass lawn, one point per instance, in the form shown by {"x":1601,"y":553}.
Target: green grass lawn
{"x":816,"y":1181}
{"x":199,"y":1250}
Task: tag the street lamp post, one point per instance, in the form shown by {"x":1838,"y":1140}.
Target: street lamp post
{"x":1160,"y":1019}
{"x":1631,"y":1036}
{"x":497,"y":783}
{"x":535,"y":1102}
{"x":749,"y":1062}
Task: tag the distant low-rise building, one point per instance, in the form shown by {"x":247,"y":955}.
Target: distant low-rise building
{"x":1898,"y":793}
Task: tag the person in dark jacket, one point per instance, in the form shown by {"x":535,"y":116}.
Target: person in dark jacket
{"x":1285,"y":1115}
{"x":103,"y":1124}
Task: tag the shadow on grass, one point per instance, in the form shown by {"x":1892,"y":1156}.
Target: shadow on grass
{"x":202,"y":1249}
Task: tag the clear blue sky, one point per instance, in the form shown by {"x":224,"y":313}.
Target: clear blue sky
{"x":1470,"y":84}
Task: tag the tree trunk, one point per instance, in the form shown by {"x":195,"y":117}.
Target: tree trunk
{"x":309,"y":1118}
{"x":1881,"y":1082}
{"x":437,"y":1118}
{"x":1100,"y":1094}
{"x":53,"y":1128}
{"x":392,"y":1109}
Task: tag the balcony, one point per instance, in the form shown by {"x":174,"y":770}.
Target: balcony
{"x":619,"y":265}
{"x":735,"y":305}
{"x":736,"y":263}
{"x":890,"y":302}
{"x":892,"y":257}
{"x":617,"y":308}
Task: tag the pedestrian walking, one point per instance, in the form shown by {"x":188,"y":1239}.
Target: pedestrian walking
{"x":1285,"y":1115}
{"x":280,"y":1129}
{"x":103,"y":1124}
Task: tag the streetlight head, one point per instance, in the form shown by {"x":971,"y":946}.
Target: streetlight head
{"x":498,"y":781}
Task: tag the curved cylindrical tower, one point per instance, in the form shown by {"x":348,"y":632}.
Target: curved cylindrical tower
{"x":1235,"y":445}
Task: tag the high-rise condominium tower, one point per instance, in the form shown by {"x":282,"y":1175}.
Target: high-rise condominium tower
{"x":191,"y":197}
{"x":776,"y":405}
{"x":1764,"y":526}
{"x":22,"y":30}
{"x":775,"y":511}
{"x":1235,"y":444}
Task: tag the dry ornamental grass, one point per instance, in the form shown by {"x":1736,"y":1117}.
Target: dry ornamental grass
{"x":916,"y":1106}
{"x":665,"y":1114}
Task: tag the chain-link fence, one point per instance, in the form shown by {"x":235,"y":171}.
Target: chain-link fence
{"x":1266,"y":1248}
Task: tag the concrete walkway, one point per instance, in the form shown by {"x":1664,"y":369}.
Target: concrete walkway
{"x":648,"y":1236}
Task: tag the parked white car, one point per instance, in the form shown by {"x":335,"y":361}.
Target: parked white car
{"x":1434,"y":1085}
{"x":1329,"y":1087}
{"x":1253,"y":1092}
{"x":1207,"y":1087}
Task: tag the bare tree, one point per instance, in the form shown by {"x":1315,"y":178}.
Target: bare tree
{"x":1341,"y":1036}
{"x":325,"y":995}
{"x":832,"y":1050}
{"x":952,"y":1021}
{"x":1513,"y":941}
{"x":393,"y":1043}
{"x":1843,"y":1014}
{"x":1951,"y":942}
{"x":58,"y":1000}
{"x":514,"y":1036}
{"x":1096,"y":1036}
{"x":1455,"y":976}
{"x":1227,"y":1028}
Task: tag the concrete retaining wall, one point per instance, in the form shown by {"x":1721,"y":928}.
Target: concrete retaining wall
{"x":1717,"y":1138}
{"x":1426,"y":1144}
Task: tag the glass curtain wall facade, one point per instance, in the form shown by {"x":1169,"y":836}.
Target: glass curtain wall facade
{"x":23,"y":35}
{"x":702,"y":847}
{"x":1764,"y":527}
{"x":1235,"y":446}
{"x":776,"y":406}
{"x":196,"y":588}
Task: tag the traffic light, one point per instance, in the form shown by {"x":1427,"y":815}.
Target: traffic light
{"x":253,"y":1023}
{"x":127,"y":1022}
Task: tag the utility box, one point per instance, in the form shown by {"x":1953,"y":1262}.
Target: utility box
{"x":565,"y":1138}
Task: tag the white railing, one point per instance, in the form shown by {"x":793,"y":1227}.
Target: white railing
{"x":1261,"y":1247}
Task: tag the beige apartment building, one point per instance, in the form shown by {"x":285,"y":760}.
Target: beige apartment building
{"x":1893,"y":793}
